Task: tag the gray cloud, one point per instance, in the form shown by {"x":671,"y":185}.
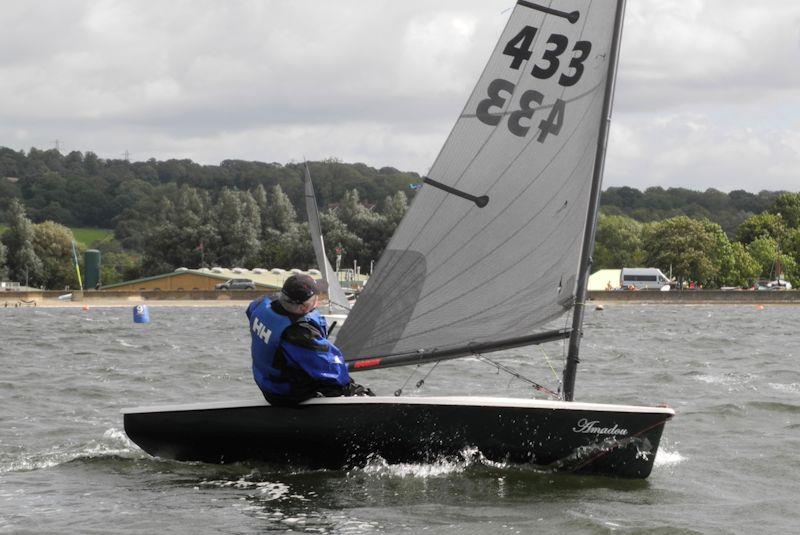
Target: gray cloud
{"x":707,"y":94}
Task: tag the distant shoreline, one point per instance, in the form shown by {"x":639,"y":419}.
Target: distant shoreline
{"x":100,"y":298}
{"x":240,"y":298}
{"x":697,"y":297}
{"x":116,"y":303}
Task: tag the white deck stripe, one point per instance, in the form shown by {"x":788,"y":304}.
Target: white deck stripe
{"x":476,"y":401}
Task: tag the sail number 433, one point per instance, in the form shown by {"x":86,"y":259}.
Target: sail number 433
{"x":520,"y":48}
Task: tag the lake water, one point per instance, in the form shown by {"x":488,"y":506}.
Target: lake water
{"x":728,"y":462}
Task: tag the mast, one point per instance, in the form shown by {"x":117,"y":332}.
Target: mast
{"x":585,"y":265}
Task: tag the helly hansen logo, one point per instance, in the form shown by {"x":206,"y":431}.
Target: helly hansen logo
{"x":261,"y":331}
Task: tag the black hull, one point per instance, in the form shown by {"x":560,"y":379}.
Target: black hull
{"x":342,"y":432}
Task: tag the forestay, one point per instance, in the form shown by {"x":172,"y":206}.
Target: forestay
{"x":489,"y":249}
{"x":336,"y":297}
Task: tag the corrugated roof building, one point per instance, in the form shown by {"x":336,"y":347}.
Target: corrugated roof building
{"x":184,"y":279}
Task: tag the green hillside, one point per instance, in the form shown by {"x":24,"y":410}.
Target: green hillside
{"x":86,"y":236}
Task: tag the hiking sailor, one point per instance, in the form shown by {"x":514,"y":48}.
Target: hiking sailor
{"x":292,"y":358}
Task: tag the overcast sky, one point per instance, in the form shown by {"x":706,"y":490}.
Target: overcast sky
{"x":708,"y":91}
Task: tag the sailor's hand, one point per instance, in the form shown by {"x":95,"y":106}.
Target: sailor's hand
{"x":355,"y":389}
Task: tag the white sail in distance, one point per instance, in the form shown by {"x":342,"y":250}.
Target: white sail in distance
{"x":489,"y":249}
{"x":336,"y":297}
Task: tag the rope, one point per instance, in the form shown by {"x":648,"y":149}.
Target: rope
{"x":420,"y":383}
{"x":555,"y":374}
{"x":516,"y":374}
{"x":399,"y":391}
{"x":500,"y":367}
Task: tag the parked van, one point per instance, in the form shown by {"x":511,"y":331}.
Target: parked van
{"x":643,"y":279}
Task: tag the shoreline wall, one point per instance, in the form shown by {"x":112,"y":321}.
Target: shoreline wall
{"x":697,"y":297}
{"x":136,"y":296}
{"x":688,"y":297}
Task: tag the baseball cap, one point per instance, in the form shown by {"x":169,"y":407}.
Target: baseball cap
{"x":299,"y":288}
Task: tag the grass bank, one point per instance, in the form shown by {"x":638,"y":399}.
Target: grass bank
{"x":86,"y":236}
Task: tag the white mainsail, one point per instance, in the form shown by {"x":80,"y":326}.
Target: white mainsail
{"x":337,"y":300}
{"x":490,"y":248}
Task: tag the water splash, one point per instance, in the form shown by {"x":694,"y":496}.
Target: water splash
{"x":283,"y":509}
{"x":266,"y":490}
{"x":666,"y":458}
{"x":734,"y":381}
{"x":114,"y":443}
{"x":793,"y":388}
{"x":308,"y":521}
{"x":440,"y":467}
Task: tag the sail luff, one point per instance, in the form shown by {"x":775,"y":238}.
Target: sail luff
{"x":436,"y":354}
{"x":585,"y":265}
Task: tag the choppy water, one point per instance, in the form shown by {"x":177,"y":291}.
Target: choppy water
{"x":728,"y":462}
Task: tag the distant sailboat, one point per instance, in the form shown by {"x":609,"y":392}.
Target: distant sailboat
{"x":338,"y":306}
{"x":777,"y":282}
{"x":495,"y":246}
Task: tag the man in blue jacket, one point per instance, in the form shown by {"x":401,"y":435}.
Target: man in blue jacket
{"x":292,"y":357}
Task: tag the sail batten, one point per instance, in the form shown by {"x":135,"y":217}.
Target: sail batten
{"x":421,"y":303}
{"x":531,"y":184}
{"x":571,"y":17}
{"x":456,"y":273}
{"x":516,"y":232}
{"x":589,"y":151}
{"x":423,"y":311}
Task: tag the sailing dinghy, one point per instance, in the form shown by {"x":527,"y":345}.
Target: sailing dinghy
{"x":338,"y":306}
{"x":495,"y":246}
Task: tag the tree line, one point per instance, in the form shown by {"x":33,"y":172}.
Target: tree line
{"x":177,"y":213}
{"x":764,"y":246}
{"x":728,"y":210}
{"x":188,"y":227}
{"x":82,"y":190}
